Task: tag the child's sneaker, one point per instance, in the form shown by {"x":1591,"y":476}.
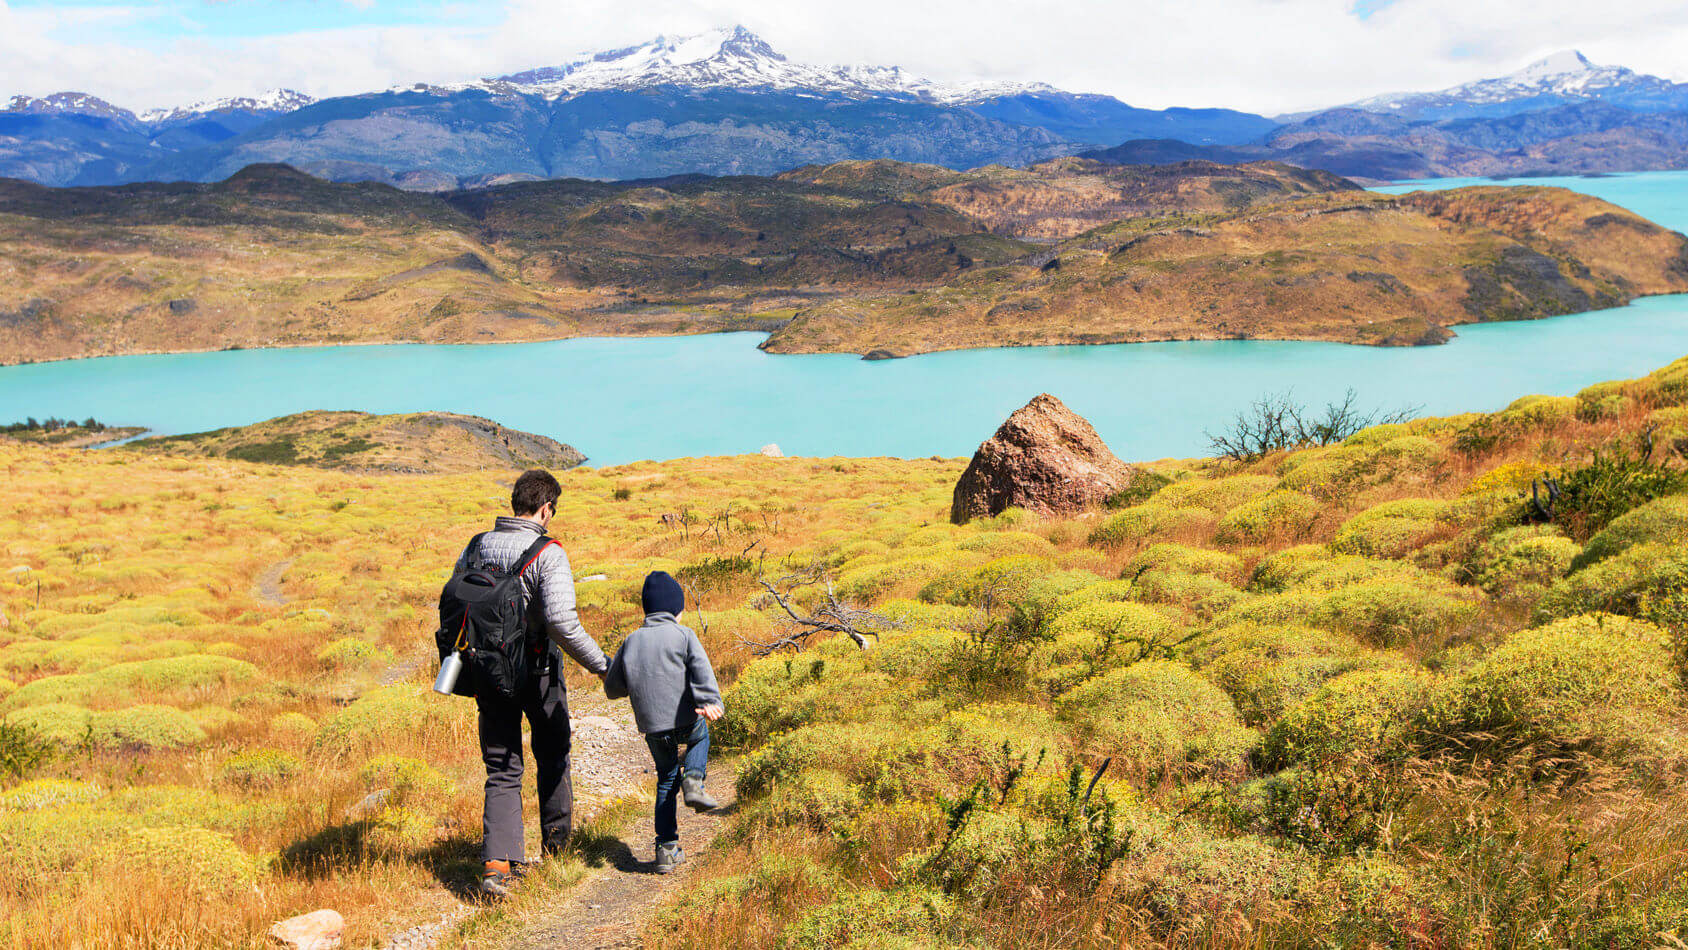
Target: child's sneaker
{"x":691,"y":788}
{"x":668,"y":856}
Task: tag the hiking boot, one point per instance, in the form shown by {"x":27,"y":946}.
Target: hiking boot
{"x":691,"y":788}
{"x":669,"y":856}
{"x":555,"y":843}
{"x":497,"y":879}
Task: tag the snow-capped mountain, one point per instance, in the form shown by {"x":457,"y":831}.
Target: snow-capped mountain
{"x":733,"y":58}
{"x":68,"y":103}
{"x":1564,"y":78}
{"x":273,"y":102}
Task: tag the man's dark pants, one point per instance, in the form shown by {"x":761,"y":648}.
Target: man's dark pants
{"x":672,"y":765}
{"x":545,"y":705}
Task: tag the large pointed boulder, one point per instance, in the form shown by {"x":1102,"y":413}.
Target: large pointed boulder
{"x":1045,"y":458}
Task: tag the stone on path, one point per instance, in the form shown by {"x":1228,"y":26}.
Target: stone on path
{"x":317,"y":930}
{"x":1045,"y":458}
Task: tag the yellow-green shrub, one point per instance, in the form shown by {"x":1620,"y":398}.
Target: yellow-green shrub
{"x":410,"y":780}
{"x":1182,"y":558}
{"x":63,"y":724}
{"x":1152,"y":519}
{"x":1596,"y":682}
{"x":1279,"y":513}
{"x":1157,"y":717}
{"x":148,"y":726}
{"x":1367,"y":715}
{"x":1391,"y":529}
{"x":48,"y":793}
{"x":379,"y":715}
{"x":1265,"y":669}
{"x":1394,"y":613}
{"x":1661,"y":521}
{"x":348,"y":652}
{"x":260,"y":768}
{"x":201,"y":864}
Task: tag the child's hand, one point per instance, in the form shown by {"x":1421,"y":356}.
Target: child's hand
{"x":710,"y":712}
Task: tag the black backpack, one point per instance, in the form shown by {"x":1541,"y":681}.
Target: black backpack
{"x":483,"y":613}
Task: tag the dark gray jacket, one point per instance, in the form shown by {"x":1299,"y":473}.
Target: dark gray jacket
{"x":663,"y":669}
{"x":549,"y":584}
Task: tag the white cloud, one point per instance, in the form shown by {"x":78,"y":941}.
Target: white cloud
{"x":1263,"y":55}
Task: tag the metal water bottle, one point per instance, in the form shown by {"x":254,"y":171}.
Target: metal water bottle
{"x":450,"y":668}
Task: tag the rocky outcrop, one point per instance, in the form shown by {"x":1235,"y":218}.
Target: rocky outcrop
{"x":1045,"y":458}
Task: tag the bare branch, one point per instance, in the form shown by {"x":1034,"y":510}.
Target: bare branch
{"x":832,"y":616}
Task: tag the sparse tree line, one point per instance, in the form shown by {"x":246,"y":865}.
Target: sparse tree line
{"x":54,"y":424}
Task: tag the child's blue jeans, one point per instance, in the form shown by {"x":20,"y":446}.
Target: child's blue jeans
{"x":671,"y":764}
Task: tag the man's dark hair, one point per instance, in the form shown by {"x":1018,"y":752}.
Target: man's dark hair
{"x":534,"y":490}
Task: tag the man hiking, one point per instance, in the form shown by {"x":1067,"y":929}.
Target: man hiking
{"x":550,"y":622}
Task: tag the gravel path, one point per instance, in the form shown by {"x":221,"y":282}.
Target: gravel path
{"x":609,"y":909}
{"x":606,"y":909}
{"x":267,"y":588}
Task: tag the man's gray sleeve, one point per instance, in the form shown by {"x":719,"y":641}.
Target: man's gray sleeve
{"x":705,"y":691}
{"x":562,"y":622}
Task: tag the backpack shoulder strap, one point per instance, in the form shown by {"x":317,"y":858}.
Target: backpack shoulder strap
{"x":532,"y":554}
{"x":472,"y":550}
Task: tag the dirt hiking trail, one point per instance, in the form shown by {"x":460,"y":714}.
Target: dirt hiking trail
{"x":607,"y":908}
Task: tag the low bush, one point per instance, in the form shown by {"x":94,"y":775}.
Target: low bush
{"x":63,"y":725}
{"x":48,"y":793}
{"x":1363,"y":715}
{"x":1647,"y":581}
{"x":1184,"y":559}
{"x":865,"y":919}
{"x":194,"y":862}
{"x":1276,"y":514}
{"x":1266,"y":669}
{"x":1661,"y":521}
{"x":145,"y":727}
{"x":1585,"y":498}
{"x":1158,"y":718}
{"x":1393,"y":613}
{"x":348,"y":652}
{"x":1593,"y":684}
{"x":410,"y":780}
{"x":1392,"y":529}
{"x":379,"y":716}
{"x":260,"y":768}
{"x":1151,"y":520}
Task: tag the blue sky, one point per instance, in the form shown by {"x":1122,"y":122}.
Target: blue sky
{"x":169,"y":20}
{"x":1263,"y":55}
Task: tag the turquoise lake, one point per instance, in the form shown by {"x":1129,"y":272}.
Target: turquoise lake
{"x":620,"y":400}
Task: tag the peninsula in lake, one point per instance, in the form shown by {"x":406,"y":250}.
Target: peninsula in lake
{"x":869,"y":257}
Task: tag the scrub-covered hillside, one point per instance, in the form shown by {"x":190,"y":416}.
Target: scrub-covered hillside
{"x":1365,"y":693}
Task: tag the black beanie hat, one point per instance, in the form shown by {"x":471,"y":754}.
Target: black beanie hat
{"x":662,"y":594}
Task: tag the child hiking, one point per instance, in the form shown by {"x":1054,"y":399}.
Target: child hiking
{"x":664,"y":671}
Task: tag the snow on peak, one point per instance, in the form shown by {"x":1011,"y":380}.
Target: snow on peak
{"x":80,"y":103}
{"x":1559,"y":64}
{"x":727,"y":58}
{"x":1564,"y":75}
{"x":275,"y":101}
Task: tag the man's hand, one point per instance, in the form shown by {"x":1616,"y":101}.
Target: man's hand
{"x":711,"y":712}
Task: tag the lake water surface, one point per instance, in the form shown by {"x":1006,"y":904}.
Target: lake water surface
{"x":621,"y":400}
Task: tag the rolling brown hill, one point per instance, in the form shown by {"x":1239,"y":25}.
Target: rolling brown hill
{"x":854,"y":256}
{"x":1352,"y":267}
